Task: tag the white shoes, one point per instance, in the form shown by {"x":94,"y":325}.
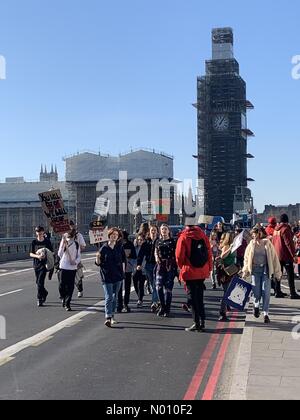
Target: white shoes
{"x":80,"y":294}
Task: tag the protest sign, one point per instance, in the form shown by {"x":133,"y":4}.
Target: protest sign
{"x":102,"y":206}
{"x":55,"y":211}
{"x":238,"y":242}
{"x":98,"y":235}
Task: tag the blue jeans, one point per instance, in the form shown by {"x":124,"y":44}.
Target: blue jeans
{"x":261,"y":286}
{"x":111,"y":291}
{"x":149,"y":268}
{"x":165,"y":280}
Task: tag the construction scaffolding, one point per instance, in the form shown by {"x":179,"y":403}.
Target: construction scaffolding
{"x":222,"y":128}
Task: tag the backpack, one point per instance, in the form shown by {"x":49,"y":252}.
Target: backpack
{"x":199,"y":253}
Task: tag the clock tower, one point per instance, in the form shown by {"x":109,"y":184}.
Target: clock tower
{"x":222,"y":132}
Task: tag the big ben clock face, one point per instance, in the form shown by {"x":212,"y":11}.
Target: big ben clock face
{"x":221,"y":122}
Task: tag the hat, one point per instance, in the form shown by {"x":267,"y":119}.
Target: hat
{"x":272,"y":221}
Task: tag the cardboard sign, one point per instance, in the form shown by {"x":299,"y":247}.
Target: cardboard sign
{"x":98,"y":235}
{"x":102,"y":206}
{"x":55,"y":211}
{"x":238,"y":293}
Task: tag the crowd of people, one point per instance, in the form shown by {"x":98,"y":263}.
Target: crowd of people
{"x":153,"y":260}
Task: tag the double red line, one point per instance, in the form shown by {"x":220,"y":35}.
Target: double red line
{"x":203,"y":364}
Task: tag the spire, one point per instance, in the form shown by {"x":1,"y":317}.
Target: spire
{"x":52,"y":170}
{"x":42,"y":169}
{"x":46,"y":169}
{"x":56,"y":170}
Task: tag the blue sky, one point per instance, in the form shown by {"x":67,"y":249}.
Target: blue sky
{"x":117,"y":74}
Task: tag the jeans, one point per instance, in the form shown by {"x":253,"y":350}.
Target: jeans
{"x":165,"y":280}
{"x":40,"y":275}
{"x":195,"y":289}
{"x":261,"y":285}
{"x":127,"y":285}
{"x":149,"y":268}
{"x":111,"y":291}
{"x":66,"y":286}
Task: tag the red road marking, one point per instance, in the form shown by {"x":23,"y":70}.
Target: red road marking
{"x":202,"y":366}
{"x":216,"y":372}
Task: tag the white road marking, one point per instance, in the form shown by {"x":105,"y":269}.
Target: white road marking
{"x":10,"y":293}
{"x":16,"y":272}
{"x":8,"y":354}
{"x":31,"y":269}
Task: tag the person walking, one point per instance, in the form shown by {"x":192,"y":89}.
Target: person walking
{"x":111,"y":259}
{"x":285,"y":249}
{"x":148,"y":251}
{"x":129,"y":249}
{"x":195,"y":260}
{"x":226,"y":260}
{"x":262,"y":263}
{"x":139,"y":275}
{"x":166,"y":269}
{"x":275,"y":283}
{"x":214,"y":245}
{"x":70,"y":256}
{"x":79,"y":273}
{"x":39,"y":263}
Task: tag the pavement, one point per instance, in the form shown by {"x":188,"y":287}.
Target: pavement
{"x":268,"y":360}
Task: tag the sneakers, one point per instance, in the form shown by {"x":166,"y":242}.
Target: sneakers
{"x":295,"y":296}
{"x":193,"y":328}
{"x":256,"y":313}
{"x":40,"y":304}
{"x":80,"y":295}
{"x":113,"y":321}
{"x":267,"y":320}
{"x":107,"y":322}
{"x":139,"y":304}
{"x":154,"y":308}
{"x":161,"y":312}
{"x":126,"y":310}
{"x":68,"y":309}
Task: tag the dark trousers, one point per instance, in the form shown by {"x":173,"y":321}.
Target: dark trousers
{"x":289,"y":268}
{"x":196,"y":291}
{"x":139,"y":284}
{"x":164,"y":287}
{"x":66,"y":286}
{"x":127,"y":285}
{"x":223,"y":309}
{"x":40,"y":275}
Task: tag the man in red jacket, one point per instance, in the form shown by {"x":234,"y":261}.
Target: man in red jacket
{"x":194,"y":258}
{"x":285,"y":248}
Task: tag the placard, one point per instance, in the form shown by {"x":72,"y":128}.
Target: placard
{"x":55,"y":211}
